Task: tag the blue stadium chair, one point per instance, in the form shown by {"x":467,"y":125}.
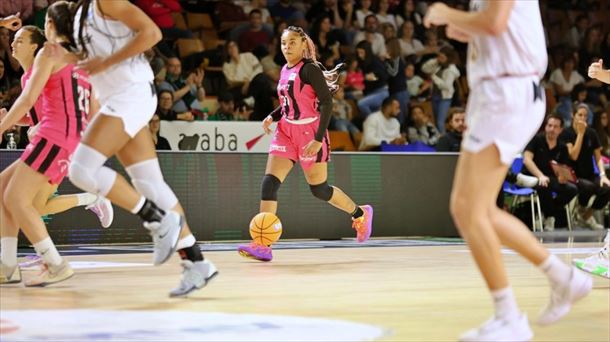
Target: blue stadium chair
{"x":415,"y":147}
{"x":517,"y":192}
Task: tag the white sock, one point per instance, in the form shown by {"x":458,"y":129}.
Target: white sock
{"x":505,"y":303}
{"x":139,"y":206}
{"x":188,"y":241}
{"x":86,"y":198}
{"x":46,"y":249}
{"x":556,"y":270}
{"x":8,"y":251}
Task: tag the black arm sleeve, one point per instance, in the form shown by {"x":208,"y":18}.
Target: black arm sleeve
{"x":276,"y":114}
{"x":312,"y":75}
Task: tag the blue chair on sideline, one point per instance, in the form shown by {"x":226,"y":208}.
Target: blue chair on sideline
{"x":517,"y":192}
{"x":417,"y":146}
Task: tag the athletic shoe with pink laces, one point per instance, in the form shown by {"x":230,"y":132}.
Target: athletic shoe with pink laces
{"x":364,"y":224}
{"x":103,"y":209}
{"x":255,"y":251}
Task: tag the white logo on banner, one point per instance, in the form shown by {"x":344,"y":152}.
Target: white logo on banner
{"x":84,"y":325}
{"x":216,"y":136}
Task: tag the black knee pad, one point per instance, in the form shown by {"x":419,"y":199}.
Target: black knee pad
{"x":322,"y":191}
{"x":269,"y":187}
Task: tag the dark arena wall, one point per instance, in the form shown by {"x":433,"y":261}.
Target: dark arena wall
{"x":221,"y":191}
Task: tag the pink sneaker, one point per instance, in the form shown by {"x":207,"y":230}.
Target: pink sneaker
{"x":255,"y":251}
{"x":364,"y":224}
{"x":103,"y":209}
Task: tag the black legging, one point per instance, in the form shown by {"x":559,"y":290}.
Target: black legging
{"x":590,"y":187}
{"x":563,"y":195}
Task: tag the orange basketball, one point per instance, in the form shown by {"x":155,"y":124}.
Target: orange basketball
{"x":265,"y":229}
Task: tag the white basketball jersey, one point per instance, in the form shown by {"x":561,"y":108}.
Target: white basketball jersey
{"x":104,"y":37}
{"x":520,"y":50}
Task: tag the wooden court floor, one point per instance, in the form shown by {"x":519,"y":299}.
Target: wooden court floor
{"x":412,"y":293}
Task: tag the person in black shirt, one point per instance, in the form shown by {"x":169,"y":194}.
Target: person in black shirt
{"x":160,"y":142}
{"x":584,"y":149}
{"x":539,"y":153}
{"x":455,"y":124}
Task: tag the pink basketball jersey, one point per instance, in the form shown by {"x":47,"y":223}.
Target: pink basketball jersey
{"x":65,"y":106}
{"x":298,"y":100}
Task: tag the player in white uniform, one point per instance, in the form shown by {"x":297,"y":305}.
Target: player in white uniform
{"x":111,"y":37}
{"x":597,"y":263}
{"x":506,"y":59}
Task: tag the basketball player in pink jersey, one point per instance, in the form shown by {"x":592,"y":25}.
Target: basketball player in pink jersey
{"x":506,"y":60}
{"x":111,"y":37}
{"x":302,"y":137}
{"x":65,"y":94}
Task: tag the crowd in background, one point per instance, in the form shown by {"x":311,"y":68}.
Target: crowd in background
{"x":220,"y":60}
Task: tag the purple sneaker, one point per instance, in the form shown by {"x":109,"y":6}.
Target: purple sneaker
{"x":255,"y":251}
{"x":103,"y":209}
{"x":364,"y":224}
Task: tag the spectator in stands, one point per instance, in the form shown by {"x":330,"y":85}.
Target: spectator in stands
{"x":284,"y":10}
{"x":563,"y":80}
{"x":407,"y":12}
{"x":602,"y":128}
{"x":342,"y":115}
{"x":160,"y":11}
{"x":375,"y":79}
{"x":415,"y":84}
{"x":226,"y":109}
{"x":324,"y":38}
{"x":155,"y":126}
{"x":260,"y":5}
{"x":254,"y":35}
{"x":590,"y":50}
{"x":555,"y":192}
{"x":432,"y":45}
{"x":584,"y":150}
{"x":370,"y":34}
{"x":244,"y":74}
{"x":11,"y":65}
{"x":409,"y":45}
{"x":397,"y":81}
{"x":354,"y":78}
{"x":165,"y":111}
{"x":9,"y":88}
{"x":383,"y":127}
{"x":228,"y":15}
{"x":270,"y":68}
{"x":579,"y":95}
{"x":388,"y":31}
{"x":329,"y":8}
{"x":383,"y":16}
{"x":456,"y":125}
{"x":187,"y":92}
{"x":444,"y":73}
{"x":577,"y":32}
{"x":422,"y":129}
{"x":363,"y":12}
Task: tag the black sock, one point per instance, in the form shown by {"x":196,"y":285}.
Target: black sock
{"x":150,"y":212}
{"x":357,"y":213}
{"x":192,"y":253}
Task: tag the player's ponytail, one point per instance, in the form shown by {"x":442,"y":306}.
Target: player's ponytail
{"x":84,"y":7}
{"x":61,"y":13}
{"x":331,"y":76}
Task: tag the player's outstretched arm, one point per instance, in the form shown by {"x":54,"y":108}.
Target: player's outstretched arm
{"x":493,"y":20}
{"x":12,"y":22}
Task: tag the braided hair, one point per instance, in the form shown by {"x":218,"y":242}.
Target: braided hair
{"x":331,"y":76}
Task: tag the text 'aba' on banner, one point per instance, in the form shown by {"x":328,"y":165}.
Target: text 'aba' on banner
{"x":216,"y":136}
